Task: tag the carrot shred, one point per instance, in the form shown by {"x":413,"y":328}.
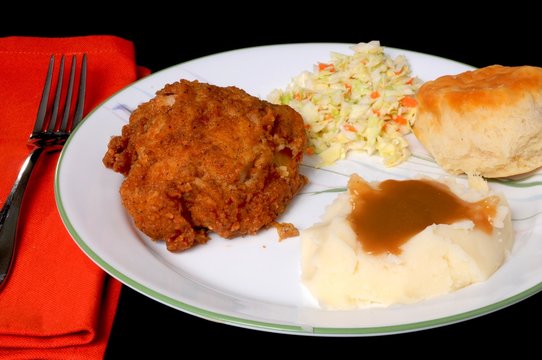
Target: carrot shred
{"x":328,"y":67}
{"x":400,"y":120}
{"x":309,"y":151}
{"x":349,"y":127}
{"x":375,"y":95}
{"x":409,"y":101}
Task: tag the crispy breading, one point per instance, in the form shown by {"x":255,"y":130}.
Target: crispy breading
{"x":201,"y":158}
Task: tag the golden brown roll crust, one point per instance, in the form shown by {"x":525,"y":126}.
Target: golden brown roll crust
{"x":484,"y":122}
{"x":199,"y":157}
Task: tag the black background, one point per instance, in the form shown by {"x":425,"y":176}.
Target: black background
{"x":165,"y":36}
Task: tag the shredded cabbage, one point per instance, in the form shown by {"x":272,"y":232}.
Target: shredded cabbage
{"x":364,"y":101}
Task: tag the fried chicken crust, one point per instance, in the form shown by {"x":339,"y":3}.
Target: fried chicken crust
{"x":200,"y":158}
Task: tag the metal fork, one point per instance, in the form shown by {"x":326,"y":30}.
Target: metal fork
{"x":52,"y":137}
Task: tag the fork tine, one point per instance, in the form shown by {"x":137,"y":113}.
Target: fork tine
{"x":81,"y":95}
{"x":67,"y":104}
{"x":42,"y":110}
{"x":56,"y":102}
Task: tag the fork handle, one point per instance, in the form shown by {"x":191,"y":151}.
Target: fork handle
{"x":9,"y":215}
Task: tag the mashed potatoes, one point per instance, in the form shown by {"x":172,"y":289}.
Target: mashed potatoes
{"x":440,"y":259}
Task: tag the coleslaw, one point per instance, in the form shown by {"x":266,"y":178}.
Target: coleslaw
{"x":364,"y":101}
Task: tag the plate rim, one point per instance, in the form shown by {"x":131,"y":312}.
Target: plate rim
{"x":255,"y":324}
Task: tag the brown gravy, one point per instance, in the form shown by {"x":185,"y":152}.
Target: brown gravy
{"x":386,"y":217}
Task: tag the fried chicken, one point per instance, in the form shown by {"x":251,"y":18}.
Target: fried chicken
{"x":200,"y":158}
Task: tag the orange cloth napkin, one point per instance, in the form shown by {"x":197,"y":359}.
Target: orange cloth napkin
{"x":56,"y":303}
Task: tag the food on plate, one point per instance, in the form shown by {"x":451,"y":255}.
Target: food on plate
{"x":404,"y":241}
{"x":200,"y":158}
{"x":485,"y":122}
{"x":364,"y":101}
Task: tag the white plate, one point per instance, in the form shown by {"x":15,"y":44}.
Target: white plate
{"x":254,"y":281}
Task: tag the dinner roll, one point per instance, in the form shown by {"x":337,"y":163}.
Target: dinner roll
{"x":484,"y":122}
